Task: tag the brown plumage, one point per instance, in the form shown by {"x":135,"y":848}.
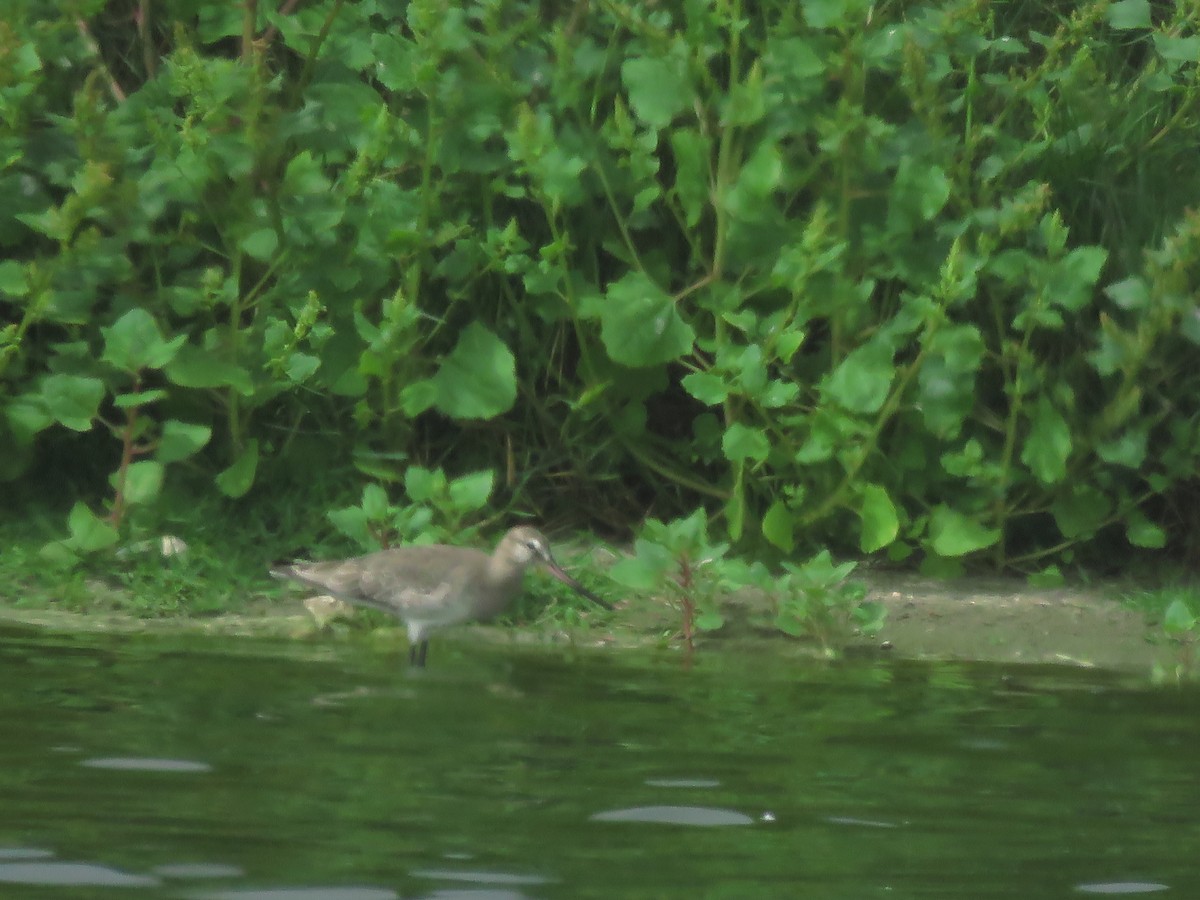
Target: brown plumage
{"x":430,"y":587}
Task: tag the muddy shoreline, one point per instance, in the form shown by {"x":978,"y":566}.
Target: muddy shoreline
{"x":986,"y":620}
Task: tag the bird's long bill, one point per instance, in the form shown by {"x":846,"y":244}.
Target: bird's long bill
{"x":557,"y":571}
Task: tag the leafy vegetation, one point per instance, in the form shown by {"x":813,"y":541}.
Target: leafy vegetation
{"x":1173,"y":613}
{"x":908,"y":279}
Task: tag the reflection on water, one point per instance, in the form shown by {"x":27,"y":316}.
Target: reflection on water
{"x":245,"y":769}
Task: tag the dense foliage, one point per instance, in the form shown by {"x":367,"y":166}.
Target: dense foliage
{"x":903,"y":277}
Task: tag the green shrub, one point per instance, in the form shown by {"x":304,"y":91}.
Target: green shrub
{"x":915,"y":279}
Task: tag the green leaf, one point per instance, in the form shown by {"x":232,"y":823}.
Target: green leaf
{"x":706,"y":387}
{"x":478,"y":379}
{"x":953,"y":534}
{"x":1072,"y":279}
{"x":261,"y":244}
{"x":1082,"y":512}
{"x":134,"y":343}
{"x":237,"y":479}
{"x":647,"y":570}
{"x":757,"y":179}
{"x":89,"y":533}
{"x":778,"y":525}
{"x":195,"y":367}
{"x":1177,"y":51}
{"x":947,"y":378}
{"x":742,"y":442}
{"x":1127,"y":449}
{"x":1049,"y":443}
{"x":861,"y":381}
{"x":834,"y":13}
{"x":301,"y":366}
{"x":709,"y":621}
{"x":919,"y":192}
{"x":141,"y":398}
{"x":179,"y":440}
{"x":1127,"y":15}
{"x":1049,"y":577}
{"x":1130,"y":294}
{"x":422,"y":484}
{"x":12,"y":278}
{"x":639,"y":323}
{"x":1178,"y":617}
{"x":143,"y":481}
{"x":880,"y":524}
{"x":73,"y":400}
{"x":1141,"y":532}
{"x":374,"y":502}
{"x":658,"y":89}
{"x":353,"y":522}
{"x":690,"y":150}
{"x":471,"y":491}
{"x":735,"y":506}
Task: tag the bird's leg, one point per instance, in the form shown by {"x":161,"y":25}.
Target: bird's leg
{"x":416,"y":654}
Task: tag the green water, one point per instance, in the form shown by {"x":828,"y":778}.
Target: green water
{"x":141,"y":767}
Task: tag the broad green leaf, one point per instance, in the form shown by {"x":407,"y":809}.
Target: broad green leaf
{"x":639,"y":323}
{"x":261,"y":244}
{"x":779,"y":393}
{"x":819,"y":571}
{"x":647,"y":570}
{"x":73,"y":400}
{"x":709,"y":620}
{"x":301,"y":366}
{"x":12,"y":278}
{"x":1049,"y":577}
{"x":947,"y":378}
{"x":735,"y":506}
{"x":141,"y":398}
{"x":861,"y":381}
{"x":471,"y":491}
{"x":758,"y":178}
{"x":743,"y":442}
{"x":238,"y":478}
{"x":418,"y":396}
{"x":749,"y":369}
{"x":1127,"y":449}
{"x":195,"y":367}
{"x":778,"y":525}
{"x":134,"y":343}
{"x":1072,"y":279}
{"x":706,"y":387}
{"x":1081,"y":512}
{"x":835,"y":13}
{"x":953,"y":534}
{"x":919,"y":192}
{"x":478,"y":380}
{"x":143,"y":481}
{"x":658,"y":89}
{"x":27,"y":415}
{"x":795,"y":57}
{"x":179,"y":440}
{"x":1178,"y":617}
{"x":1141,"y":532}
{"x":1048,"y":445}
{"x":1127,"y":15}
{"x":89,"y":532}
{"x":353,"y":522}
{"x":880,"y":524}
{"x":374,"y":502}
{"x":1177,"y":51}
{"x":1131,"y":294}
{"x":422,"y":484}
{"x":692,"y":173}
